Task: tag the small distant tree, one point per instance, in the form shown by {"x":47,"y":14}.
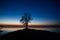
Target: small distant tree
{"x":26,"y":18}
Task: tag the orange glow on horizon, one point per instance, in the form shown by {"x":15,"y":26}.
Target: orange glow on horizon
{"x":28,"y":24}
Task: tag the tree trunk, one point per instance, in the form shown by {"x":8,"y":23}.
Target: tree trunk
{"x":26,"y":25}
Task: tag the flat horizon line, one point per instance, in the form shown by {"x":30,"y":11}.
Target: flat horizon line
{"x":29,"y":24}
{"x":11,"y":25}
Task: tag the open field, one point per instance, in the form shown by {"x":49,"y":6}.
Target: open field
{"x":11,"y":28}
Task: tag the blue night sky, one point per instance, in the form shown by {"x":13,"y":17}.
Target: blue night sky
{"x":42,"y":11}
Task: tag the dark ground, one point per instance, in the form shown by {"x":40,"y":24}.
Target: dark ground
{"x":30,"y":34}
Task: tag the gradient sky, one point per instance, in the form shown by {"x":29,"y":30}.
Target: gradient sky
{"x":42,"y":11}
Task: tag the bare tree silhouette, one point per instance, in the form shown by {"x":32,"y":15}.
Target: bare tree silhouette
{"x":26,"y":18}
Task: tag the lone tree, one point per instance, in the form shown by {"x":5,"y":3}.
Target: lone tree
{"x":26,"y":18}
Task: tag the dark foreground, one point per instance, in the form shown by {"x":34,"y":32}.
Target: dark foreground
{"x":30,"y":34}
